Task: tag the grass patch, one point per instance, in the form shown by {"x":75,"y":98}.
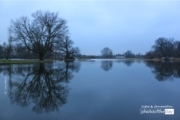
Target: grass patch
{"x":158,"y":59}
{"x":27,"y":61}
{"x":154,"y":59}
{"x":83,"y":59}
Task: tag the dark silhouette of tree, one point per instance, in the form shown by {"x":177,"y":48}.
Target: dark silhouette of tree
{"x":176,"y":52}
{"x":40,"y":34}
{"x":129,"y":54}
{"x":7,"y":49}
{"x":163,"y":47}
{"x":66,"y":49}
{"x":106,"y":53}
{"x":42,"y":85}
{"x":1,"y":51}
{"x":22,"y":52}
{"x":150,"y":54}
{"x":160,"y":46}
{"x":106,"y":65}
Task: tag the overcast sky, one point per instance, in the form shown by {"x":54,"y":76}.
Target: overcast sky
{"x":93,"y":25}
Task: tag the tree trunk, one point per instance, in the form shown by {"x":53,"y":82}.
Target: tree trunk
{"x":67,"y":55}
{"x":41,"y":57}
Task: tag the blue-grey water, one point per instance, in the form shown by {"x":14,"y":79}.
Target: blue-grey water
{"x":90,"y":90}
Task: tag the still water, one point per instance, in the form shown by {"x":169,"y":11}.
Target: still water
{"x":90,"y":90}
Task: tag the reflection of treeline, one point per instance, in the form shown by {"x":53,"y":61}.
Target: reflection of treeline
{"x":164,"y":70}
{"x":106,"y":65}
{"x":164,"y":47}
{"x":129,"y":62}
{"x":44,"y":85}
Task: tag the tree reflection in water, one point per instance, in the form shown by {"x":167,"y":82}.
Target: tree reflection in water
{"x":44,"y":85}
{"x":106,"y":65}
{"x":164,"y":70}
{"x":127,"y":62}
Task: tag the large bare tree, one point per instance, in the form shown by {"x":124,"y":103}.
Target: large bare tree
{"x":40,"y":33}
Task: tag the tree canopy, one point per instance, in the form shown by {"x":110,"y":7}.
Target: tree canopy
{"x":106,"y":52}
{"x":164,"y":47}
{"x":39,"y":34}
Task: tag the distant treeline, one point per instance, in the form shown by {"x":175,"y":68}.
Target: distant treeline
{"x":18,"y":51}
{"x":46,"y":35}
{"x":21,"y":51}
{"x":164,"y":47}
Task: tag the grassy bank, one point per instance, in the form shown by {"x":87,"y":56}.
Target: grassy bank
{"x":158,"y":59}
{"x":26,"y":61}
{"x":31,"y":61}
{"x":145,"y":59}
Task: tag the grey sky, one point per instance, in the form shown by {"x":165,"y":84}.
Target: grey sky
{"x":119,"y":25}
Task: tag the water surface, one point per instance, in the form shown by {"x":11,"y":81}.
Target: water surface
{"x":89,"y":90}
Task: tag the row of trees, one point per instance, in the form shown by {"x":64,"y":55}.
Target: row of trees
{"x":46,"y":35}
{"x":5,"y":50}
{"x":164,"y":47}
{"x":18,"y":50}
{"x":107,"y":53}
{"x":43,"y":35}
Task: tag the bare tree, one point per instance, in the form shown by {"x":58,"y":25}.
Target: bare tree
{"x":106,"y":52}
{"x":66,"y":49}
{"x":1,"y":51}
{"x":7,"y":50}
{"x":129,"y":54}
{"x":39,"y":34}
{"x":164,"y":47}
{"x":176,"y":52}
